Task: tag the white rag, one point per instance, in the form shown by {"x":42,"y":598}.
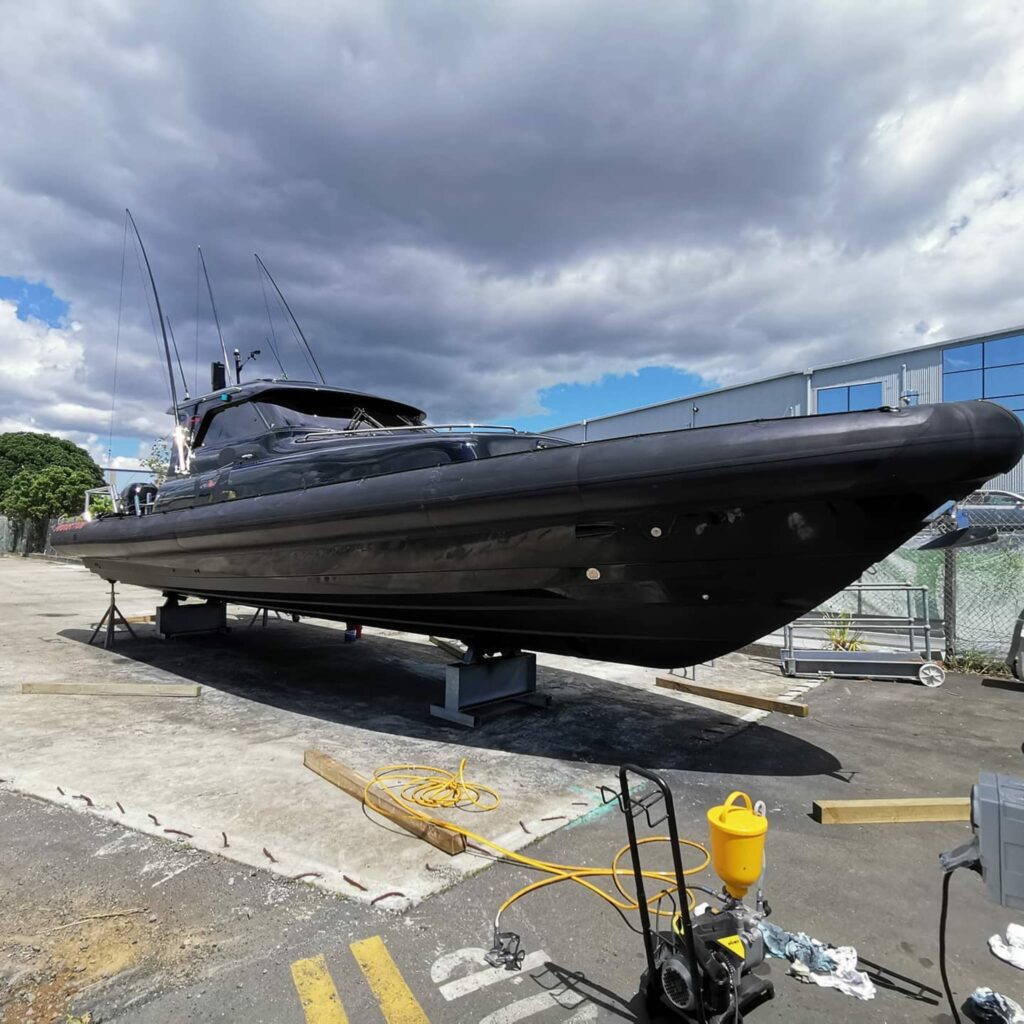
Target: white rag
{"x":1012,"y":948}
{"x":846,"y":978}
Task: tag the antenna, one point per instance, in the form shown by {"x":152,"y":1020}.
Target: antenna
{"x":240,"y":362}
{"x":213,"y":305}
{"x":195,"y":366}
{"x":284,"y":301}
{"x":160,"y":315}
{"x":184,"y":383}
{"x":270,"y":320}
{"x":277,"y":358}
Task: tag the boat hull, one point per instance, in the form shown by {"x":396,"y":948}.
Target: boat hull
{"x":661,"y":549}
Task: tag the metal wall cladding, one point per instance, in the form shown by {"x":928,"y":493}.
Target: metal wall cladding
{"x":909,"y":373}
{"x":768,"y":399}
{"x":915,"y":376}
{"x":1012,"y":481}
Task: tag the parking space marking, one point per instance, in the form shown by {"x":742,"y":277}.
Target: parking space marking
{"x":396,"y":1001}
{"x":532,"y":1005}
{"x":320,"y":1001}
{"x":480,"y":979}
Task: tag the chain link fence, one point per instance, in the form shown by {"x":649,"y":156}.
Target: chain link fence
{"x":974,"y":593}
{"x":983,"y":582}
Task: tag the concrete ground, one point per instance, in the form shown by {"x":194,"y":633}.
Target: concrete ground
{"x":227,"y":768}
{"x":130,"y":926}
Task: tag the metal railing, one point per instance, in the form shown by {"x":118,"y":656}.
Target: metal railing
{"x":431,"y":428}
{"x":916,"y":629}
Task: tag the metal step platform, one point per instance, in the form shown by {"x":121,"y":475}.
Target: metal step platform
{"x":907,"y":665}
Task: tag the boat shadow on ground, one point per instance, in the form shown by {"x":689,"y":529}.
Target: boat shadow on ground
{"x":386,"y":685}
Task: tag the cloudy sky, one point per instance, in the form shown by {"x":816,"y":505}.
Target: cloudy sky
{"x":514,"y":211}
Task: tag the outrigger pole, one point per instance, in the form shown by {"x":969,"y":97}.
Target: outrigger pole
{"x":298,"y":327}
{"x":160,"y":317}
{"x":177,"y":355}
{"x":216,"y":319}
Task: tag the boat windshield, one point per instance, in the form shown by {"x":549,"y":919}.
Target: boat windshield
{"x":278,"y":416}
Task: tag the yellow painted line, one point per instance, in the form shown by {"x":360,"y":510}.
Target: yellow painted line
{"x":396,"y":1002}
{"x":319,"y":997}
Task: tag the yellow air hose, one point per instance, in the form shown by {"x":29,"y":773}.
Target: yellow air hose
{"x":424,"y":786}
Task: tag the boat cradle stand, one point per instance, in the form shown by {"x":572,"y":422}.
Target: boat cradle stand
{"x":176,"y":619}
{"x":111,"y":617}
{"x":478,"y":687}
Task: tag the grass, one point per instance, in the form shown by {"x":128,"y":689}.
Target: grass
{"x":840,"y":633}
{"x":977,"y":663}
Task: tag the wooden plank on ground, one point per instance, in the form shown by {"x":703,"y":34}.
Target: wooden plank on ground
{"x":354,"y":784}
{"x":132,"y":620}
{"x":449,"y":647}
{"x":876,"y":812}
{"x":749,"y":700}
{"x":116,"y":689}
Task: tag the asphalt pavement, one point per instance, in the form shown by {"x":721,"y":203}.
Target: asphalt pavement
{"x":198,"y":938}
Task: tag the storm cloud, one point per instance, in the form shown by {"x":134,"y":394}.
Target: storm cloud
{"x":466,"y":203}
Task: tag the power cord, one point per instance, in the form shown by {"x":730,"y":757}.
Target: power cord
{"x":942,"y":944}
{"x":423,"y":788}
{"x":967,"y":855}
{"x":735,"y":985}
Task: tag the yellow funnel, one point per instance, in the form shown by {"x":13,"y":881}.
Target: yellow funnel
{"x":737,"y":843}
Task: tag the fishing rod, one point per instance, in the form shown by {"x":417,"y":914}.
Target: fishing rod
{"x":160,"y":317}
{"x":298,"y":327}
{"x":216,"y":319}
{"x":177,"y":355}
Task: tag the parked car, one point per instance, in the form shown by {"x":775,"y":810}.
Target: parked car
{"x":1002,"y":509}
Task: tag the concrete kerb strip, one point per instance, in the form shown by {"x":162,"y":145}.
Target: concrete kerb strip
{"x":238,"y":851}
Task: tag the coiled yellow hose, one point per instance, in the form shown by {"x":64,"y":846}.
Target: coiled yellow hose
{"x":424,"y":786}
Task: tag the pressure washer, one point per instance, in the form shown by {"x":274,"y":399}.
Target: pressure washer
{"x":702,"y":969}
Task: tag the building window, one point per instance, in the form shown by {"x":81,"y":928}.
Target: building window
{"x":849,"y":398}
{"x":989,"y":369}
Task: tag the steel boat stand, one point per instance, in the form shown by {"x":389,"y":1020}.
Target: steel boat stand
{"x":110,"y":619}
{"x":176,"y":619}
{"x":479,"y":686}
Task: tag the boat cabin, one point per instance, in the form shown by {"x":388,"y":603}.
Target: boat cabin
{"x":268,"y":437}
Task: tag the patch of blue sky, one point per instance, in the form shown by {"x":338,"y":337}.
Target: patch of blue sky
{"x":34,"y":299}
{"x":571,"y":403}
{"x":125,"y":447}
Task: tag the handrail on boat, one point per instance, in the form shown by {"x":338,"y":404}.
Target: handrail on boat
{"x":424,"y":428}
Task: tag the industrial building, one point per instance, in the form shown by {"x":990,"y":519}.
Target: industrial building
{"x":989,"y":366}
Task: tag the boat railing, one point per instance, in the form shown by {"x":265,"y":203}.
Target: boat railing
{"x":424,"y":428}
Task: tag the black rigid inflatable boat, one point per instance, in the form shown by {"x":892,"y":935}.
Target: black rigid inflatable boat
{"x":661,"y":549}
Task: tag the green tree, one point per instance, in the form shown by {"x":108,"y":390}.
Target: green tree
{"x":53,"y":491}
{"x":159,"y":460}
{"x":36,"y":452}
{"x":100,"y":504}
